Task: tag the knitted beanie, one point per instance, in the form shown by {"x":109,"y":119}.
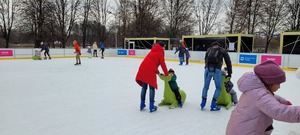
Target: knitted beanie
{"x":171,"y":70}
{"x":270,"y":72}
{"x":161,"y":43}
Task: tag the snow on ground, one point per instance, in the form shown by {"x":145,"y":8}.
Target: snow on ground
{"x":101,"y":97}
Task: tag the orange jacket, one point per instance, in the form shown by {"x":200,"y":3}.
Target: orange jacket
{"x":76,"y":47}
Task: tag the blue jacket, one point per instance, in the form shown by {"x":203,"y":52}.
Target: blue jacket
{"x":101,"y":46}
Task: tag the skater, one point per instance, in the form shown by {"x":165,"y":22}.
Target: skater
{"x":174,"y":87}
{"x":229,"y":87}
{"x":187,"y":56}
{"x":95,"y":49}
{"x":102,"y":49}
{"x":89,"y":51}
{"x":45,"y":47}
{"x":181,"y":51}
{"x":146,"y":75}
{"x":258,"y":104}
{"x":213,"y":64}
{"x":77,"y":52}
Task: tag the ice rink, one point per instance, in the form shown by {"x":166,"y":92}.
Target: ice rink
{"x":101,"y":97}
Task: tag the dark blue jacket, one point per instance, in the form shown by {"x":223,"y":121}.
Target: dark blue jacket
{"x":181,"y":50}
{"x":45,"y":47}
{"x":223,"y":55}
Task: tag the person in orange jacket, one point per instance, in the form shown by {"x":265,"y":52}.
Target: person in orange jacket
{"x":77,"y":51}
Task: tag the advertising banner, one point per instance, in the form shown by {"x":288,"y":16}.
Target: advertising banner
{"x":248,"y":59}
{"x":131,"y":52}
{"x":276,"y":58}
{"x":6,"y":53}
{"x":122,"y":52}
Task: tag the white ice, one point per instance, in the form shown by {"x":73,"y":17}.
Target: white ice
{"x":101,"y":97}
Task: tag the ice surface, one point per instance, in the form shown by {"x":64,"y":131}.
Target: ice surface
{"x":101,"y":97}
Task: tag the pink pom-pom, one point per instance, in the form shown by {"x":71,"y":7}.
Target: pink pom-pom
{"x":289,"y":103}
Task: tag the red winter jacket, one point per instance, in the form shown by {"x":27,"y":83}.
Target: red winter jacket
{"x":77,"y":48}
{"x":149,"y":67}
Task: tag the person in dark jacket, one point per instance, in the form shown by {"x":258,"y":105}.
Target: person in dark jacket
{"x":45,"y":47}
{"x":187,"y":56}
{"x":174,"y":87}
{"x":148,"y":71}
{"x":102,"y":49}
{"x":213,"y":70}
{"x":181,"y":51}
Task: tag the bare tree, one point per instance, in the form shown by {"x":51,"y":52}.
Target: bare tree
{"x":86,"y":12}
{"x":293,"y":21}
{"x":51,"y":26}
{"x":231,"y":14}
{"x":34,"y":15}
{"x":272,"y":18}
{"x":147,"y":20}
{"x":66,"y":15}
{"x":124,"y":17}
{"x":99,"y":15}
{"x":253,"y":8}
{"x":7,"y":17}
{"x":207,"y":12}
{"x":242,"y":16}
{"x":179,"y":17}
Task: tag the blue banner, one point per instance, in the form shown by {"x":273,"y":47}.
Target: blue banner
{"x":122,"y":52}
{"x":248,"y":59}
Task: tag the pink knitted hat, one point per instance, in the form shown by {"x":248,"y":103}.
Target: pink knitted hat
{"x":270,"y":72}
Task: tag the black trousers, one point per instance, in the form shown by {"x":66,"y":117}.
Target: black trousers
{"x":177,"y":95}
{"x":46,"y":53}
{"x":95,"y":53}
{"x":102,"y":50}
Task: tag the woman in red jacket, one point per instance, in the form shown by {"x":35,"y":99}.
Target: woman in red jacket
{"x":77,"y":51}
{"x":147,"y":72}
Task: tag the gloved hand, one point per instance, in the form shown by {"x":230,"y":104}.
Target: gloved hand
{"x":229,"y":75}
{"x":289,"y":103}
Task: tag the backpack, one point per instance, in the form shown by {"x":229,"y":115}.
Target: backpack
{"x":213,"y":56}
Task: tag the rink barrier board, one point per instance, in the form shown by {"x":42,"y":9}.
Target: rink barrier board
{"x":140,"y":57}
{"x":250,"y":59}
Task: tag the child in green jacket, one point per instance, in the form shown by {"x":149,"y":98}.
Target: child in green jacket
{"x":174,"y":87}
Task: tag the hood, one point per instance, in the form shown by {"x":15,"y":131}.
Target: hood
{"x":157,"y":48}
{"x":249,"y":81}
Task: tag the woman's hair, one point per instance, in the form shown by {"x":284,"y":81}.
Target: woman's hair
{"x":268,"y":86}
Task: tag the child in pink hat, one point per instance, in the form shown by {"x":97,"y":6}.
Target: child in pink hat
{"x":258,"y":104}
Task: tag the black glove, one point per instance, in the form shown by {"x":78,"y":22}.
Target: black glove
{"x":229,"y":75}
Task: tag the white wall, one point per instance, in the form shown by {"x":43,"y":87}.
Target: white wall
{"x":288,"y":61}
